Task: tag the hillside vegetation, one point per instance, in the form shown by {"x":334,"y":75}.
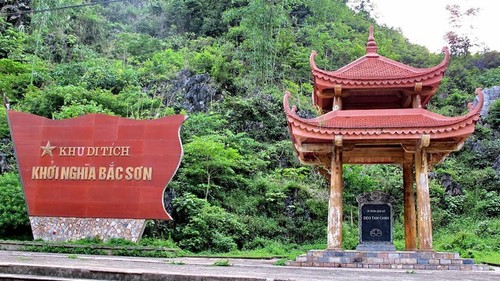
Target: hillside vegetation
{"x":226,"y":64}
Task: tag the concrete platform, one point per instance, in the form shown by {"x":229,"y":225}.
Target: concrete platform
{"x":42,"y":266}
{"x":409,"y":260}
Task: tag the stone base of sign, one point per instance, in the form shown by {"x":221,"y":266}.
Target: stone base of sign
{"x":409,"y":260}
{"x":68,"y":229}
{"x":376,"y":247}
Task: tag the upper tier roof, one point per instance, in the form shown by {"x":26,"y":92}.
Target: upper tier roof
{"x":375,"y":71}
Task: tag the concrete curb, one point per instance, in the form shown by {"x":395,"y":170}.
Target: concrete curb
{"x":43,"y":266}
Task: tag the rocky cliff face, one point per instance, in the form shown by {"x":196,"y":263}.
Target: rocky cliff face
{"x":193,"y":92}
{"x":490,"y":96}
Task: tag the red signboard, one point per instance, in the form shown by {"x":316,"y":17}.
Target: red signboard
{"x":96,"y":166}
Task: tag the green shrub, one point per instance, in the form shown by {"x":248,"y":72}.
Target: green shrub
{"x":14,"y":221}
{"x":489,"y":204}
{"x":17,"y":77}
{"x":350,"y":236}
{"x":494,"y":114}
{"x":224,"y":262}
{"x":163,"y":65}
{"x":76,"y":109}
{"x":208,"y":227}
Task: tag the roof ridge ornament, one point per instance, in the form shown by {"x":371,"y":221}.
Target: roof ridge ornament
{"x":371,"y":45}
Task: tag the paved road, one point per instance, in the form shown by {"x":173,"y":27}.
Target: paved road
{"x":203,"y":269}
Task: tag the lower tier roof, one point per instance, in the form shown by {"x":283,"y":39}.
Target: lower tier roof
{"x":379,"y":133}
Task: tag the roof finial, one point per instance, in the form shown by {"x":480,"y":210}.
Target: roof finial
{"x":371,"y":46}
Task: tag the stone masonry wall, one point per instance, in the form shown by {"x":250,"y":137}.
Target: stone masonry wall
{"x":67,"y":229}
{"x":387,"y":260}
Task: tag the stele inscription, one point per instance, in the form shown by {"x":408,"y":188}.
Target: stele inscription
{"x":375,"y":221}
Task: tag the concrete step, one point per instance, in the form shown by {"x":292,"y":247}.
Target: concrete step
{"x":24,"y":277}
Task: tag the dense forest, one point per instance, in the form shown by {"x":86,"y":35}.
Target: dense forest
{"x":226,"y":64}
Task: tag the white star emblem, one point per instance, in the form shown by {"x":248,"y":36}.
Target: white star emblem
{"x":47,"y":149}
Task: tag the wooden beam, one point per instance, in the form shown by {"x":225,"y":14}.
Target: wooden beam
{"x":437,"y":158}
{"x":409,"y":159}
{"x":375,"y":152}
{"x":423,"y":201}
{"x":315,"y":160}
{"x":309,"y":162}
{"x":383,"y":142}
{"x":417,"y":101}
{"x":338,"y":141}
{"x":315,"y":148}
{"x":351,"y":154}
{"x":424,"y":141}
{"x":337,"y":99}
{"x":375,"y":155}
{"x":434,"y":146}
{"x":407,"y":100}
{"x":418,"y":87}
{"x":385,"y":152}
{"x":337,"y":90}
{"x":410,"y":222}
{"x":326,"y":93}
{"x":337,"y":103}
{"x":445,"y":146}
{"x":373,"y":160}
{"x":334,"y":236}
{"x":320,"y":148}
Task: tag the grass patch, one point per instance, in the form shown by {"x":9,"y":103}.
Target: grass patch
{"x":222,"y":263}
{"x":281,"y":262}
{"x":271,"y":250}
{"x":176,"y":262}
{"x":487,"y":257}
{"x":471,"y":238}
{"x":118,"y":247}
{"x":45,"y":247}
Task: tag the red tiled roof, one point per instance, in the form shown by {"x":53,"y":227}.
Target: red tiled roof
{"x":383,"y":122}
{"x":373,"y":69}
{"x":377,"y":70}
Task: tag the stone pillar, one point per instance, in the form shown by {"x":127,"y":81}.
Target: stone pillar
{"x":335,"y":202}
{"x":423,"y":201}
{"x":410,"y":221}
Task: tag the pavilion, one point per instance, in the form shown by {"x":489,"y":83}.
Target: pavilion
{"x":374,"y":112}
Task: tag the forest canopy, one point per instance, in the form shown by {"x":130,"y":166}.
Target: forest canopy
{"x":226,"y":64}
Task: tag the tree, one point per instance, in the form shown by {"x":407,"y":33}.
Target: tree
{"x":209,"y":159}
{"x":262,"y":24}
{"x":460,"y":43}
{"x":14,"y":11}
{"x":365,"y":7}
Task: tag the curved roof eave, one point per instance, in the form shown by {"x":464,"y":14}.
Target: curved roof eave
{"x":417,"y":74}
{"x":313,"y":126}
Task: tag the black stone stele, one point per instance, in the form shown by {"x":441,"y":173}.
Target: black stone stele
{"x":375,"y":222}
